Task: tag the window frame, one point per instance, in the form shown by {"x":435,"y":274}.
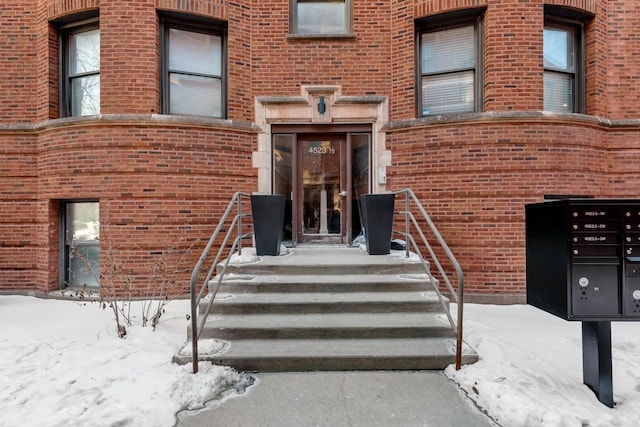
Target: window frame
{"x":169,"y":21}
{"x":575,"y":26}
{"x":293,"y":20}
{"x":66,"y":84}
{"x":64,"y":249}
{"x":449,"y":21}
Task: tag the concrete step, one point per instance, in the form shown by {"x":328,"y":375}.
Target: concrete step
{"x":328,"y":308}
{"x":338,"y":354}
{"x":327,"y":325}
{"x":324,"y":302}
{"x":324,"y":261}
{"x":254,"y":283}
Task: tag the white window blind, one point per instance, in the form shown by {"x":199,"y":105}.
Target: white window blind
{"x":448,"y":93}
{"x":448,"y":50}
{"x":559,"y":75}
{"x":448,"y":70}
{"x":195,"y":73}
{"x":558,"y":92}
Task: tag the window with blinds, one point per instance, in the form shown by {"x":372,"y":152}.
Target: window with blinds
{"x":449,"y":70}
{"x":559,"y":69}
{"x":193,"y":71}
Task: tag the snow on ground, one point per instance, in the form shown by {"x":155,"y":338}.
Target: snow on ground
{"x":62,"y":364}
{"x":530,"y":369}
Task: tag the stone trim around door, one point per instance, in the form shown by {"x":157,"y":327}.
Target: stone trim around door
{"x":322,"y":105}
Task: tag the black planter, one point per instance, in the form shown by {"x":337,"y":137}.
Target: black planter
{"x":268,"y":217}
{"x":377,"y":215}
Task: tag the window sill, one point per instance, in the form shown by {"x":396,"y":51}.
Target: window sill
{"x":347,"y":36}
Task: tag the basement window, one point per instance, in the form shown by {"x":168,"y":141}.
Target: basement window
{"x":81,"y":244}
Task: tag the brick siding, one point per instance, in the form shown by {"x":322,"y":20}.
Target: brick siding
{"x":164,"y":181}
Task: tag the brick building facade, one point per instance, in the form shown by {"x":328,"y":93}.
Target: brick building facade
{"x":150,"y":114}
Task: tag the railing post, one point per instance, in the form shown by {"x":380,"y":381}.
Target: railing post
{"x":406,"y":222}
{"x":459,"y":331}
{"x":194,"y":336}
{"x":239,"y":224}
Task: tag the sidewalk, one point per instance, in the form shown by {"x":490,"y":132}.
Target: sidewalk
{"x":366,"y":398}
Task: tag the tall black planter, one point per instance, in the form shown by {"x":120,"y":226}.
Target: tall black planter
{"x":377,"y":215}
{"x":268,"y":217}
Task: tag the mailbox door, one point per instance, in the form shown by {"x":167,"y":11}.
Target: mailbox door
{"x":631,"y":290}
{"x":594,"y":290}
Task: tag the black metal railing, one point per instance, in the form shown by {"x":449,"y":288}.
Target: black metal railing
{"x":234,"y":234}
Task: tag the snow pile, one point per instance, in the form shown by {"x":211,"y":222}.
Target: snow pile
{"x":64,"y":365}
{"x":530,"y":369}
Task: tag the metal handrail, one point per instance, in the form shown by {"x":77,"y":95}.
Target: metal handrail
{"x":235,"y":227}
{"x":457,"y":296}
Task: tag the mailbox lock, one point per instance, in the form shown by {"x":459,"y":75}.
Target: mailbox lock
{"x":583,"y":282}
{"x":636,"y":294}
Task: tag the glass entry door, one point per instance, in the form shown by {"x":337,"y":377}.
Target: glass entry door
{"x":321,"y":175}
{"x":323,"y":188}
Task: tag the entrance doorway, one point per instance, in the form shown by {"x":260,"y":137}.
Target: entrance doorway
{"x":321,"y":174}
{"x":323,"y":188}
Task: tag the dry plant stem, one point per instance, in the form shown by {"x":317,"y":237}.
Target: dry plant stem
{"x":164,"y":273}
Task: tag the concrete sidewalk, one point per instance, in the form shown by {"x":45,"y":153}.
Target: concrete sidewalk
{"x":364,"y":398}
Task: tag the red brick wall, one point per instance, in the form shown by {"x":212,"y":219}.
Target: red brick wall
{"x":622,"y":65}
{"x":159,"y":187}
{"x":281,"y":64}
{"x":18,"y":210}
{"x":129,"y":57}
{"x":17,"y":87}
{"x":513,"y":48}
{"x":475,"y":178}
{"x":159,"y":180}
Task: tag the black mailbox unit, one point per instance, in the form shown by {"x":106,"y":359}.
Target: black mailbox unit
{"x":583,"y":258}
{"x":583,"y":263}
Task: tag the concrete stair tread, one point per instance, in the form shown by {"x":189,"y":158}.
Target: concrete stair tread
{"x":236,"y":278}
{"x":317,"y":282}
{"x":327,"y":261}
{"x":348,"y":277}
{"x":344,"y":347}
{"x":340,"y":354}
{"x":329,"y":255}
{"x":327,"y":320}
{"x":325,"y":298}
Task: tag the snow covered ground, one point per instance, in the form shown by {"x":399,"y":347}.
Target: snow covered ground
{"x":530,"y":369}
{"x":62,"y":364}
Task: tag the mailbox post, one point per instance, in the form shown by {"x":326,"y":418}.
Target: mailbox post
{"x":583,"y":264}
